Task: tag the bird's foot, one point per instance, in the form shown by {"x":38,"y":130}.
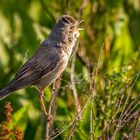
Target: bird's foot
{"x":49,"y":118}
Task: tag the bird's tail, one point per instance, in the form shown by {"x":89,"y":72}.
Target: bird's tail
{"x":5,"y":92}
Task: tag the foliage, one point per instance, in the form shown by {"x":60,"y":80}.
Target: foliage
{"x":7,"y":131}
{"x":106,"y":73}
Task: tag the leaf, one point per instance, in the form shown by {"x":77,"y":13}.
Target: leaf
{"x":20,"y":118}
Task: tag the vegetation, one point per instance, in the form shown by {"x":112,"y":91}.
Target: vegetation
{"x":104,"y":71}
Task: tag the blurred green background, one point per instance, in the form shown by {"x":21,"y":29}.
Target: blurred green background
{"x":110,"y":45}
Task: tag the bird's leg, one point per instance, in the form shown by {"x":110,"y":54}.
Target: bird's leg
{"x":41,"y":94}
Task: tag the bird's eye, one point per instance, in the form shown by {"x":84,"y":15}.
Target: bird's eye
{"x":68,"y":19}
{"x":65,"y":20}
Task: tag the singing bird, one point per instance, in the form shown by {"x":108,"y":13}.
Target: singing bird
{"x":49,"y":60}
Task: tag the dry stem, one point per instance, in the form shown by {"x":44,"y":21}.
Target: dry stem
{"x":52,"y":109}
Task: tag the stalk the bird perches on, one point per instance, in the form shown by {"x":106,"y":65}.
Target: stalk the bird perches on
{"x":49,"y":60}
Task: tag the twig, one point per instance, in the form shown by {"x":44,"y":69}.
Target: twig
{"x":73,"y":87}
{"x":126,"y":114}
{"x":124,"y":117}
{"x":72,"y":129}
{"x":93,"y":93}
{"x":52,"y":108}
{"x":77,"y":104}
{"x":91,"y":120}
{"x":129,"y":111}
{"x":74,"y":120}
{"x":115,"y":113}
{"x":93,"y":81}
{"x":135,"y":127}
{"x":129,"y":93}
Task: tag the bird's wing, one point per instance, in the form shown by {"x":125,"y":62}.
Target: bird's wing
{"x":45,"y":60}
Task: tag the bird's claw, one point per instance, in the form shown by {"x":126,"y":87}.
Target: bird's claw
{"x":49,"y":118}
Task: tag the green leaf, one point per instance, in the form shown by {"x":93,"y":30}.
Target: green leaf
{"x":20,"y":118}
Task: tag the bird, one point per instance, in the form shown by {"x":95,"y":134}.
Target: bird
{"x":49,"y":60}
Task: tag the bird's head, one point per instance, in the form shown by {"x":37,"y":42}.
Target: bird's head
{"x":67,"y":28}
{"x":71,"y":26}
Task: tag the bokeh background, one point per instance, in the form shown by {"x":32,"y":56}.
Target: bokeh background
{"x":108,"y":48}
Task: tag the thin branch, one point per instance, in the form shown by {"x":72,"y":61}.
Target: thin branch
{"x":93,"y":81}
{"x":115,"y":112}
{"x":128,"y":96}
{"x":77,"y":104}
{"x":74,"y":120}
{"x":91,"y":120}
{"x":135,"y":127}
{"x":52,"y":109}
{"x":126,"y":115}
{"x":73,"y":86}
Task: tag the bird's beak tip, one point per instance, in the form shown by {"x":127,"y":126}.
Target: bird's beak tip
{"x":81,"y":29}
{"x":81,"y":21}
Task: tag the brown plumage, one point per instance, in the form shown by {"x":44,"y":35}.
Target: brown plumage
{"x":49,"y":61}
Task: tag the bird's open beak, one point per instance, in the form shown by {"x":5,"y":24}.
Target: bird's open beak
{"x":80,"y":29}
{"x":80,"y":22}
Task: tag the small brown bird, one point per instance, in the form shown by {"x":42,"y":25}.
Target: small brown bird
{"x":49,"y":61}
